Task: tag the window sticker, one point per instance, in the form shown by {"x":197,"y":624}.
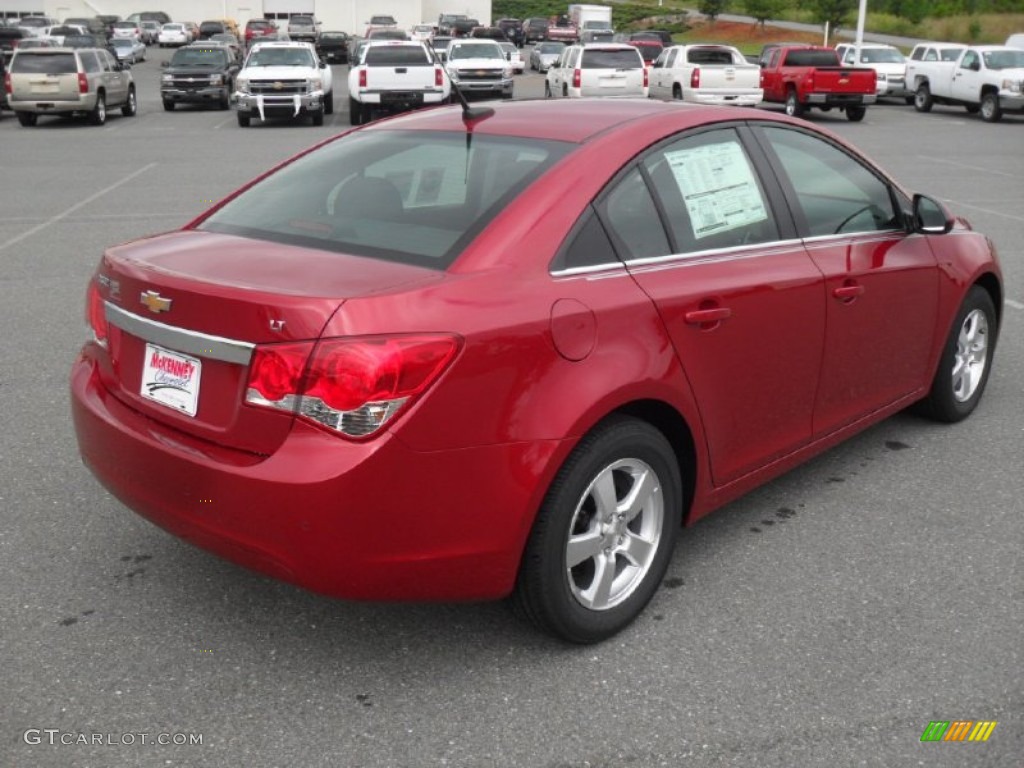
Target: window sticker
{"x":718,"y":188}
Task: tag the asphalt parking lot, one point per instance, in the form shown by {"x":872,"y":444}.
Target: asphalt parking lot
{"x":823,"y":620}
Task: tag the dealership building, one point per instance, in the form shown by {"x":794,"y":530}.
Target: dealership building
{"x":345,"y":15}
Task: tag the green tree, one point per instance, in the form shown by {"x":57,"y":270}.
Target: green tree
{"x":834,"y":12}
{"x":712,"y":8}
{"x":762,"y":10}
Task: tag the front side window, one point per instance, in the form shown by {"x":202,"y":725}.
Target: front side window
{"x":710,"y":192}
{"x":835,"y":192}
{"x":406,"y":196}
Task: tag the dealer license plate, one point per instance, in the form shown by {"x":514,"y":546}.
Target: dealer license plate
{"x":171,"y":379}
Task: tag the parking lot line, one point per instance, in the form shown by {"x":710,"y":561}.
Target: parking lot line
{"x":64,"y":214}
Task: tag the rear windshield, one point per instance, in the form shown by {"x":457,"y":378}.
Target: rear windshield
{"x":881,"y":56}
{"x":812,"y":59}
{"x":710,"y":56}
{"x":409,"y":196}
{"x":397,"y":56}
{"x":48,"y":63}
{"x":620,"y":59}
{"x":301,"y":21}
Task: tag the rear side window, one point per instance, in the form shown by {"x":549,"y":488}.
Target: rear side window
{"x":397,"y":56}
{"x":611,"y":59}
{"x":632,"y":219}
{"x":46,"y":63}
{"x":89,"y":62}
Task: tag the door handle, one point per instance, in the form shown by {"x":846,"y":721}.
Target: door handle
{"x":702,"y":316}
{"x":848,"y":292}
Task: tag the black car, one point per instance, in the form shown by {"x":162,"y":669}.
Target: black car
{"x":210,"y":28}
{"x":199,"y":74}
{"x":9,"y":38}
{"x":513,"y":29}
{"x":333,"y":46}
{"x":535,"y":30}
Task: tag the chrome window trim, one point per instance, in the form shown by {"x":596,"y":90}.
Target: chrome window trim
{"x":718,"y":254}
{"x":179,"y":339}
{"x":863,"y":237}
{"x":589,"y":269}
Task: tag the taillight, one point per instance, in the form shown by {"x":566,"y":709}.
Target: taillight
{"x":350,"y":386}
{"x":95,"y":314}
{"x":577,"y":79}
{"x":7,"y":83}
{"x":362,"y":77}
{"x":809,"y":82}
{"x":438,"y":77}
{"x":647,"y":76}
{"x":695,"y":78}
{"x":83,"y":83}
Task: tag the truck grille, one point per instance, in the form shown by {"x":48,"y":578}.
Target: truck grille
{"x":277,"y":87}
{"x":471,"y":75}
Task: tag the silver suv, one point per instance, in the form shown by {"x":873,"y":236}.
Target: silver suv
{"x":68,"y":81}
{"x":304,"y":27}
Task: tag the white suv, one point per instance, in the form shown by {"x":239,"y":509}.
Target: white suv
{"x":597,"y":69}
{"x":283,"y":78}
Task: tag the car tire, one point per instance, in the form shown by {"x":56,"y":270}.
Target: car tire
{"x":909,"y":100}
{"x":972,"y":109}
{"x":677,"y":92}
{"x":793,"y":106}
{"x":98,"y":116}
{"x":329,"y":103}
{"x":243,"y":118}
{"x":355,"y":112}
{"x":547,"y":91}
{"x":131,"y":105}
{"x":923,"y":98}
{"x":991,"y":111}
{"x":27,"y":119}
{"x":856,"y":114}
{"x":620,"y":554}
{"x":966,"y":360}
{"x":168,"y":106}
{"x":318,"y":117}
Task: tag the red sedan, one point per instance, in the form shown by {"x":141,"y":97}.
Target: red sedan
{"x":455,"y":357}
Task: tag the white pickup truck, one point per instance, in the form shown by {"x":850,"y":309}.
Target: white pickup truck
{"x":705,"y":74}
{"x":985,"y":78}
{"x":394,"y":75}
{"x":283,"y":79}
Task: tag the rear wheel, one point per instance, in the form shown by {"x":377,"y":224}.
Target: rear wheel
{"x":966,"y":360}
{"x":793,"y":106}
{"x":677,"y":92}
{"x":355,"y":112}
{"x":98,"y":116}
{"x":604,"y":534}
{"x":855,"y":114}
{"x":243,"y":118}
{"x":923,"y":98}
{"x":27,"y":119}
{"x":130,"y":106}
{"x":991,"y":112}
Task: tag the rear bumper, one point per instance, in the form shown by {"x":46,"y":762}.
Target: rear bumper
{"x":736,"y":98}
{"x":48,"y":107}
{"x":402,"y":99}
{"x":840,"y":99}
{"x":373,"y":520}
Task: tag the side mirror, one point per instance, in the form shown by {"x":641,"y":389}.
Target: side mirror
{"x":323,"y":65}
{"x":930,"y":217}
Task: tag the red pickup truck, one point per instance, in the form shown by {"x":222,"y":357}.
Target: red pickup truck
{"x":802,"y":77}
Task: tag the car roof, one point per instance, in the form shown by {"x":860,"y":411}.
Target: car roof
{"x":572,"y":120}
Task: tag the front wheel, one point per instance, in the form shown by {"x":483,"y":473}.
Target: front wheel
{"x":243,"y":118}
{"x":168,"y":105}
{"x":329,"y":103}
{"x":923,"y":98}
{"x":793,"y":106}
{"x":991,"y":112}
{"x":604,"y":534}
{"x":856,"y":114}
{"x":318,"y":117}
{"x":966,"y":360}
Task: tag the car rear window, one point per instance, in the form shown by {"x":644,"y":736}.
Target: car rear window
{"x":611,"y":59}
{"x":45,"y":63}
{"x":812,"y":59}
{"x":709,"y":56}
{"x":409,"y":196}
{"x":397,"y":56}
